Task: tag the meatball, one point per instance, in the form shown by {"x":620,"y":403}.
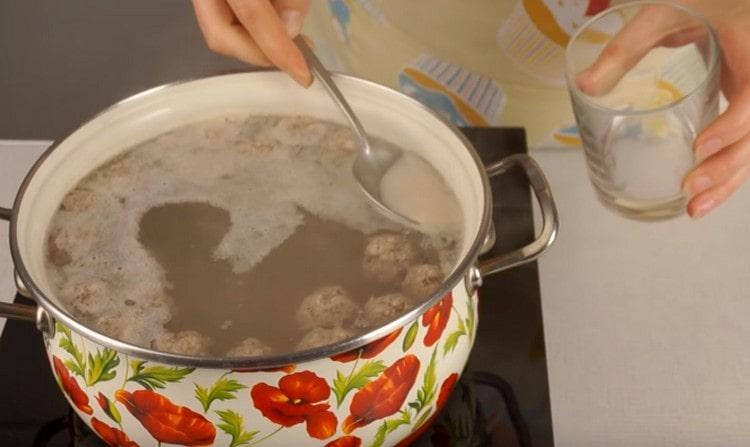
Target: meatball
{"x":136,"y":322}
{"x":68,"y":243}
{"x":117,"y":167}
{"x":88,"y":298}
{"x":387,"y":256}
{"x":384,"y":308}
{"x":183,"y":342}
{"x":421,"y":281}
{"x":111,"y":325}
{"x":126,"y":327}
{"x":297,"y":131}
{"x":327,"y":307}
{"x":322,"y":336}
{"x":249,"y":347}
{"x":78,"y":199}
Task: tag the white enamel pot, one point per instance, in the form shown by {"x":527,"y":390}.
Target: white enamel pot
{"x":376,"y":389}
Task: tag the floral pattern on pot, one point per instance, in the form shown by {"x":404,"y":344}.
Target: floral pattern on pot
{"x":377,"y":395}
{"x":445,"y":392}
{"x":110,"y":435}
{"x":383,"y":396}
{"x":345,"y":441}
{"x":167,"y":422}
{"x":436,"y":319}
{"x":370,"y":350}
{"x":300,"y":397}
{"x":70,"y":386}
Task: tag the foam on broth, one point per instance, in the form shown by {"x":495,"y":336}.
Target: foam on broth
{"x":215,"y":233}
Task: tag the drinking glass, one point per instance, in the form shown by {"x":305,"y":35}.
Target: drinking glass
{"x":643,"y":80}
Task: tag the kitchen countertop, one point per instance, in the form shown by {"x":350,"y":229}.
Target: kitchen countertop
{"x":646,"y":324}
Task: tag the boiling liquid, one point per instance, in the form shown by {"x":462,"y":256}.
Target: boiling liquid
{"x":223,"y":305}
{"x":222,"y":227}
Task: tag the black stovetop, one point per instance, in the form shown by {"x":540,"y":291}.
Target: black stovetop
{"x":503,"y":399}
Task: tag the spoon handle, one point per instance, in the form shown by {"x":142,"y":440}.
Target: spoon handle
{"x":320,"y":72}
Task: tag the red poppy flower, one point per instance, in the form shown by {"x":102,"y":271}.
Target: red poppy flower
{"x":345,"y":441}
{"x":368,"y":351}
{"x":101,"y":399}
{"x":71,"y":388}
{"x":286,"y":369}
{"x":445,"y":390}
{"x":298,"y":399}
{"x":437,"y":318}
{"x":383,"y":396}
{"x":167,"y":422}
{"x":110,"y":435}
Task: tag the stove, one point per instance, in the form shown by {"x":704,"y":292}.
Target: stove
{"x":502,"y":398}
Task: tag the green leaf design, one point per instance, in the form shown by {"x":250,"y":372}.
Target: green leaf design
{"x":393,"y":424}
{"x":342,"y":385}
{"x":451,"y":341}
{"x":388,"y":426}
{"x":111,"y":410}
{"x":223,"y":389}
{"x":380,"y":435}
{"x":410,"y":336}
{"x":74,"y":367}
{"x":151,"y":377}
{"x":100,"y":366}
{"x":421,"y":420}
{"x":233,"y":425}
{"x":59,"y":327}
{"x":426,"y":394}
{"x":78,"y":364}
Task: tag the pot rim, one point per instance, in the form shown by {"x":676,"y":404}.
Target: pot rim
{"x":251,"y":363}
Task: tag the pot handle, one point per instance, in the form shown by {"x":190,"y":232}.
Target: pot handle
{"x":550,"y":221}
{"x":16,"y":311}
{"x":24,"y":312}
{"x":11,"y":310}
{"x":34,"y":314}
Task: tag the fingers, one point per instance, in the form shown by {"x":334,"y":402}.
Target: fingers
{"x":724,"y":147}
{"x":225,"y":28}
{"x":266,"y":28}
{"x":292,"y":13}
{"x":223,"y":35}
{"x":652,"y":26}
{"x":727,"y":129}
{"x":717,"y":177}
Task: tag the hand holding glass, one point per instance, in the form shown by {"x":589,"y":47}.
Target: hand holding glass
{"x":643,"y":80}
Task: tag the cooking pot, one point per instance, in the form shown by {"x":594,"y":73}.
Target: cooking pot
{"x":376,"y":389}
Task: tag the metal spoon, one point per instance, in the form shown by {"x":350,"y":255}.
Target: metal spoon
{"x":373,"y":161}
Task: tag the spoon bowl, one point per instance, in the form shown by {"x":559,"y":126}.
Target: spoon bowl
{"x":373,"y":161}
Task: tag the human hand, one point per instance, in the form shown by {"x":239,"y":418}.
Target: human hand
{"x":722,"y":148}
{"x":258,"y":32}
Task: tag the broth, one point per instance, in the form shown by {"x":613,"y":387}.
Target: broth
{"x":240,"y":236}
